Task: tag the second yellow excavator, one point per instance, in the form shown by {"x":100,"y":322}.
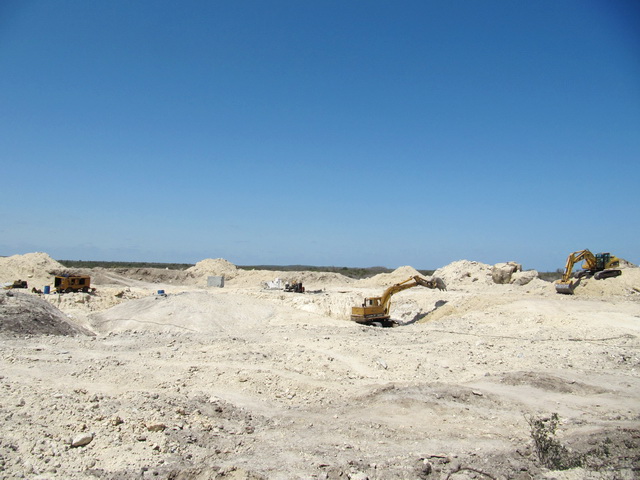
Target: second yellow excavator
{"x":375,"y":310}
{"x":600,"y":265}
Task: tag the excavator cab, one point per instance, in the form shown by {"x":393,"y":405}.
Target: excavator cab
{"x":372,"y":302}
{"x":372,"y":310}
{"x":604,"y":261}
{"x":601,"y":260}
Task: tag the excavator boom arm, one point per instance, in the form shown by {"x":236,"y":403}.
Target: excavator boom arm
{"x":409,"y":283}
{"x":574,"y":258}
{"x":376,"y":309}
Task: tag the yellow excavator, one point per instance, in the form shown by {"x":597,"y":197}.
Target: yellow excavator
{"x":600,"y":266}
{"x":375,"y":310}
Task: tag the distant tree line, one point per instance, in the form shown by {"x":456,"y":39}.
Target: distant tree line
{"x":103,"y":264}
{"x":351,"y":272}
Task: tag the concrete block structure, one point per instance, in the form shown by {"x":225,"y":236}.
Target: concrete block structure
{"x":215,"y":281}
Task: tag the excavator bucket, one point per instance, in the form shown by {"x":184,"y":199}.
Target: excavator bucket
{"x":440,"y":285}
{"x":434,"y":282}
{"x":566,"y":288}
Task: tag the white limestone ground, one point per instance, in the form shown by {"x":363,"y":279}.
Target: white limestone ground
{"x":247,"y":383}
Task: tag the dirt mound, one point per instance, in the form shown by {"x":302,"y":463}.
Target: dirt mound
{"x":213,"y":267}
{"x":140,"y":276}
{"x":257,"y":278}
{"x":36,"y":268}
{"x":310,"y":280}
{"x":465,"y":272}
{"x":400,"y":274}
{"x":627,"y":264}
{"x":550,"y":383}
{"x":184,"y":312}
{"x":27,"y":314}
{"x":626,"y":284}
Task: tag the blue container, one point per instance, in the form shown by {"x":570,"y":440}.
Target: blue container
{"x":160,"y":292}
{"x":47,"y":289}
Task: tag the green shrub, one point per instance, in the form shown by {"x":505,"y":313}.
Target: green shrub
{"x":551,"y":453}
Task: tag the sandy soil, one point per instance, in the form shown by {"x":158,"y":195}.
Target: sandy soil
{"x":243,"y":382}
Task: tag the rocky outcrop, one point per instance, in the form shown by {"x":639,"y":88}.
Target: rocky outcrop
{"x":501,"y":273}
{"x":523,"y":278}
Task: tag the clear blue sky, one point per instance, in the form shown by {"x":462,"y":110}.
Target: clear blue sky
{"x":349,"y":133}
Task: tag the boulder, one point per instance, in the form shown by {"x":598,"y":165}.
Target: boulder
{"x":523,"y":278}
{"x":82,"y":439}
{"x":501,"y":272}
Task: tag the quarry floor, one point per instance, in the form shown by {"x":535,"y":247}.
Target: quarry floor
{"x":246,"y":383}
